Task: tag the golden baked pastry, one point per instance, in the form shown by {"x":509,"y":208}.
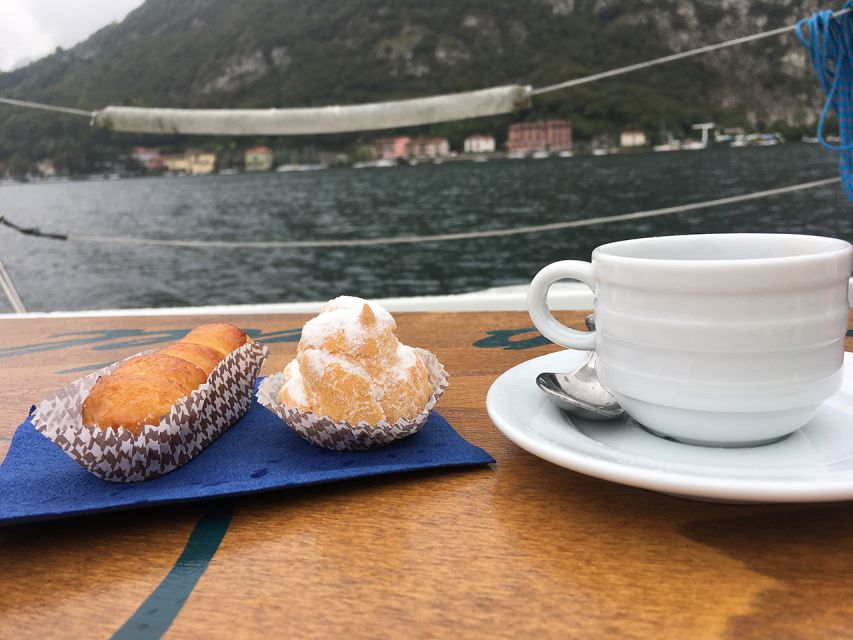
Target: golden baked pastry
{"x":351,"y":366}
{"x":203,"y":357}
{"x":143,"y":389}
{"x":131,"y":401}
{"x":158,"y":364}
{"x":222,"y":337}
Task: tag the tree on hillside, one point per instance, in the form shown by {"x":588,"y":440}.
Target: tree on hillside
{"x":19,"y":168}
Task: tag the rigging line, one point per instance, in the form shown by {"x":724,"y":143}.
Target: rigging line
{"x":444,"y":237}
{"x":670,"y":58}
{"x":46,"y":107}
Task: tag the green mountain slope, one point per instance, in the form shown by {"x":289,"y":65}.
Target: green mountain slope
{"x":262,"y":53}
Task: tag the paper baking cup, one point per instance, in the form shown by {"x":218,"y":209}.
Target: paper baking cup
{"x":325,"y":432}
{"x":193,"y":421}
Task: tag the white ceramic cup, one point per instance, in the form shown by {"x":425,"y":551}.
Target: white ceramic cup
{"x":719,"y":340}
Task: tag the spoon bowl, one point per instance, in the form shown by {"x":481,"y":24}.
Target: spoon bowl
{"x":580,"y":392}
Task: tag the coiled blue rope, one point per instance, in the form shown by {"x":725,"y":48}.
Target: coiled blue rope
{"x":829,"y":41}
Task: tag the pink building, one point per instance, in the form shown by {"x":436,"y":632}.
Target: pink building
{"x":46,"y":168}
{"x":390,"y":148}
{"x":148,"y":157}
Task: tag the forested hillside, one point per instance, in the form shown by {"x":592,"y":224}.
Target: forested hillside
{"x":263,"y":53}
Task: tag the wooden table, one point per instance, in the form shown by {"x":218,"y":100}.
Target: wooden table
{"x":521,"y":549}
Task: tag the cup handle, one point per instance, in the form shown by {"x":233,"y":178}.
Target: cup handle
{"x":537,"y":303}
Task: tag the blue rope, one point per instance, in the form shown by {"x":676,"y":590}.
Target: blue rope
{"x":829,"y":42}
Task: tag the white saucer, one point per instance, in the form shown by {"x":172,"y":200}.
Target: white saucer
{"x":814,"y":464}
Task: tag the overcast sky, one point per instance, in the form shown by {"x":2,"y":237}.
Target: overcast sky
{"x":31,"y":29}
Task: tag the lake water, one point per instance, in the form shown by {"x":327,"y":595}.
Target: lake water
{"x":349,"y":203}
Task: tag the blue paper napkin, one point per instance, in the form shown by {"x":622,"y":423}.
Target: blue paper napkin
{"x":258,"y":453}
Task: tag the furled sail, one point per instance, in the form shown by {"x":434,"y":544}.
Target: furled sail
{"x":332,"y":119}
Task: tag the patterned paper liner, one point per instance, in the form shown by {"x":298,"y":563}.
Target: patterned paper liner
{"x":193,"y":422}
{"x":325,"y":432}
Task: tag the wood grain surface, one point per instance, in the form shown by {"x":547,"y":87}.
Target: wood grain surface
{"x":520,"y":549}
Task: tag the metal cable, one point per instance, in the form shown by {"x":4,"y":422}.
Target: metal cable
{"x":443,"y":237}
{"x":46,"y":107}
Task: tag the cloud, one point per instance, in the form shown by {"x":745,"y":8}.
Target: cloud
{"x":31,"y":29}
{"x":21,"y":37}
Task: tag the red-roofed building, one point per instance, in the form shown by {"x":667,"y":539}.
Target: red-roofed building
{"x":390,"y":148}
{"x":258,"y":159}
{"x":148,"y":157}
{"x":548,"y":135}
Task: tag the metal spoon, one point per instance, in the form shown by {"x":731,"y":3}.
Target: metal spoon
{"x":580,"y":393}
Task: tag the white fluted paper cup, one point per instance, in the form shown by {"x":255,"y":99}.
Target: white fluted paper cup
{"x":341,"y":435}
{"x":193,"y":422}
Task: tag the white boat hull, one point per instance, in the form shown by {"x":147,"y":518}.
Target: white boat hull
{"x":563,"y":296}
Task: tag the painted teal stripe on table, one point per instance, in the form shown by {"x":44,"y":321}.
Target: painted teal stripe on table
{"x":87,"y":367}
{"x":156,"y":614}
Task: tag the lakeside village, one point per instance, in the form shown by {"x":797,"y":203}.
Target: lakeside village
{"x":534,"y":140}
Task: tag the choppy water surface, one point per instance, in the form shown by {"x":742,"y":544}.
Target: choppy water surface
{"x":348,"y":203}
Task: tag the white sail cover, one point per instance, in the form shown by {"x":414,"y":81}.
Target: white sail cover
{"x":333,"y":119}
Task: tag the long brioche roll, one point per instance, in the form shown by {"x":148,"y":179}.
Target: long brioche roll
{"x":143,"y":389}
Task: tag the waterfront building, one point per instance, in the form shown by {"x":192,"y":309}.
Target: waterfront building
{"x":547,"y":135}
{"x":176,"y":162}
{"x":479,"y":143}
{"x":429,"y":148}
{"x":258,"y":159}
{"x":148,"y":157}
{"x":390,"y":148}
{"x":633,"y":139}
{"x":155,"y":163}
{"x":194,"y":162}
{"x":200,"y":162}
{"x":45,"y":168}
